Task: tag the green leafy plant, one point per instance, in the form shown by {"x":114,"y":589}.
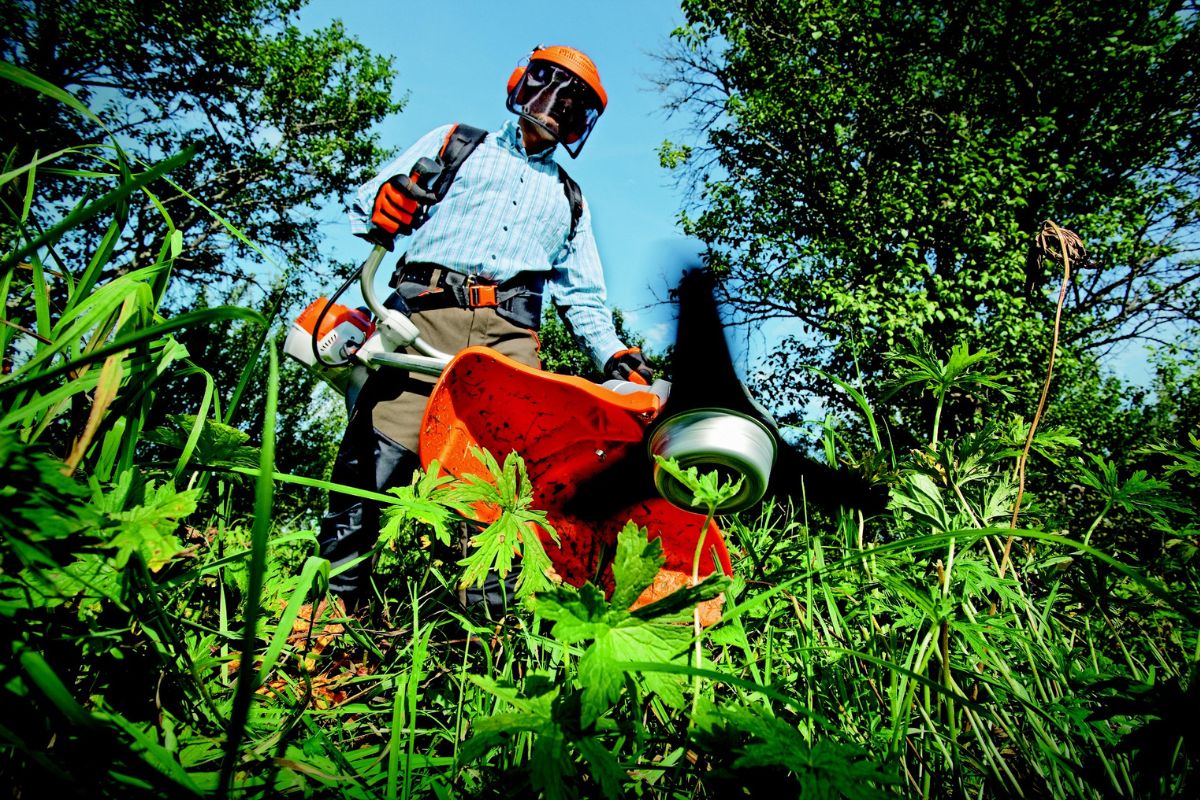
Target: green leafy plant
{"x":514,"y":534}
{"x":920,"y":367}
{"x":708,"y":492}
{"x":1137,"y":493}
{"x":161,"y":641}
{"x":569,"y":723}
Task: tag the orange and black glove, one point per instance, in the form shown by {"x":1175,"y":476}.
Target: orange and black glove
{"x":629,"y":365}
{"x":400,"y":206}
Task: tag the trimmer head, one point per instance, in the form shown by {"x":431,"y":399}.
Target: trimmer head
{"x":737,"y":446}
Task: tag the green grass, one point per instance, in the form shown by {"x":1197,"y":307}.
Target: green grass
{"x":160,"y":646}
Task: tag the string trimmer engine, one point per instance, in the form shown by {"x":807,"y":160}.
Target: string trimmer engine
{"x":342,"y":331}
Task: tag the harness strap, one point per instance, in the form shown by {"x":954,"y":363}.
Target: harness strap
{"x":423,"y":286}
{"x":461,"y":140}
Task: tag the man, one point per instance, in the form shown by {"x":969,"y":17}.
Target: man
{"x":510,"y":228}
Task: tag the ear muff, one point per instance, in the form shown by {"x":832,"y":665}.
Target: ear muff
{"x":515,"y":78}
{"x":519,"y":72}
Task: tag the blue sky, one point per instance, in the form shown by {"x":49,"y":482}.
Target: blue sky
{"x":453,"y":59}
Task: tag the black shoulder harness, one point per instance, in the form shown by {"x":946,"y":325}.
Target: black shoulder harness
{"x":462,"y":140}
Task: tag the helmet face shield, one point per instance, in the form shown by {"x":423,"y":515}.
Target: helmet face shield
{"x":557,"y":101}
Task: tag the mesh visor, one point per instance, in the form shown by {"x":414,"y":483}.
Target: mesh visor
{"x":557,"y":101}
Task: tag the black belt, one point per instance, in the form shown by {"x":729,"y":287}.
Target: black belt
{"x":425,"y":286}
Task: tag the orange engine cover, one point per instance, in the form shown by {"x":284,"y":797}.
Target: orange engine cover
{"x":566,"y":429}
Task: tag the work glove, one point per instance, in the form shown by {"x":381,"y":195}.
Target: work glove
{"x":629,"y":365}
{"x":399,"y":208}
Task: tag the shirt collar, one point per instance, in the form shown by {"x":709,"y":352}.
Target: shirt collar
{"x":509,"y":136}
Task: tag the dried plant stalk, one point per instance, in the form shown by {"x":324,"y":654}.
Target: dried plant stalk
{"x":1069,"y":249}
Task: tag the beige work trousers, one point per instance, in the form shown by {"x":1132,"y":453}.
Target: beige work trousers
{"x":396,"y":399}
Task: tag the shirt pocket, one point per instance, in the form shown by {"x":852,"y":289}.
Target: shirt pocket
{"x":552,"y":215}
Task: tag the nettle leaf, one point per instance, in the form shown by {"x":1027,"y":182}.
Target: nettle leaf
{"x":919,"y":497}
{"x":495,"y":549}
{"x":1138,"y":493}
{"x":605,"y":769}
{"x":1187,"y":462}
{"x":921,"y":366}
{"x":149,"y":529}
{"x":998,"y":502}
{"x":1049,"y":443}
{"x":537,"y":570}
{"x":1104,"y":480}
{"x":428,"y":500}
{"x":219,"y":445}
{"x":637,"y":561}
{"x":92,"y":578}
{"x":1145,"y":493}
{"x":602,"y":671}
{"x":514,"y":534}
{"x":579,"y":614}
{"x":550,"y":763}
{"x":533,"y":714}
{"x":40,"y":502}
{"x":500,"y":544}
{"x":127,"y":490}
{"x":708,"y":491}
{"x":823,"y":768}
{"x":617,"y":635}
{"x":541,"y":713}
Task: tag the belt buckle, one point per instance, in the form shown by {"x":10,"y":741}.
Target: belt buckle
{"x":480,"y":295}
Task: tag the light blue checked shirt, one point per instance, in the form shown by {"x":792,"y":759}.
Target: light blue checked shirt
{"x":506,"y":213}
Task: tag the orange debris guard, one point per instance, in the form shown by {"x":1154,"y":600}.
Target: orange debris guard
{"x":567,"y":429}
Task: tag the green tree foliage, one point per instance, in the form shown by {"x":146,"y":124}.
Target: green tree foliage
{"x":283,"y":117}
{"x":157,"y":645}
{"x":561,"y":352}
{"x":877,"y":172}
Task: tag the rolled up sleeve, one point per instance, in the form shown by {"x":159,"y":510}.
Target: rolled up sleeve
{"x":577,"y":286}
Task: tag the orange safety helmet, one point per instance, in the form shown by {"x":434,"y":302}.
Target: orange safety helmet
{"x":565,"y":86}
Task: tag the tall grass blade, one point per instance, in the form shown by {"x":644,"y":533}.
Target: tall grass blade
{"x":107,"y":385}
{"x":314,"y":574}
{"x":250,"y":370}
{"x":206,"y":400}
{"x":859,"y":399}
{"x":96,"y":207}
{"x":41,"y":300}
{"x":247,"y":680}
{"x":20,"y":382}
{"x":21,"y":77}
{"x":420,"y":651}
{"x":47,"y":682}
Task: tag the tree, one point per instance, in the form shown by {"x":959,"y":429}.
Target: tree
{"x":561,"y":352}
{"x":283,"y":119}
{"x":877,"y":172}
